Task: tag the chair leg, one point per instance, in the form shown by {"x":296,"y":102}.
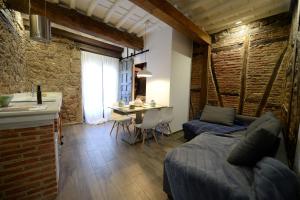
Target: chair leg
{"x":128,"y":129}
{"x":136,"y":133}
{"x":117,"y":131}
{"x":112,"y":128}
{"x":123,"y":128}
{"x":169,"y":128}
{"x":144,"y":136}
{"x":153,"y":133}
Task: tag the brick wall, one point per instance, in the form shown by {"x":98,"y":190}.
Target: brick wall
{"x":195,"y":92}
{"x":267,"y":39}
{"x":27,"y":169}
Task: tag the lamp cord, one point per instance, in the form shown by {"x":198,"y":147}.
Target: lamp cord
{"x":146,"y":41}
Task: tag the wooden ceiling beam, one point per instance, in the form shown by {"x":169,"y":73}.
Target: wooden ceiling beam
{"x":150,"y":29}
{"x":91,"y":7}
{"x":73,"y":4}
{"x":126,"y":17}
{"x":245,"y":20}
{"x":85,"y":43}
{"x":85,"y":40}
{"x":79,"y":22}
{"x":111,"y":10}
{"x":139,"y":23}
{"x":250,"y":8}
{"x":164,"y":11}
{"x":220,"y":8}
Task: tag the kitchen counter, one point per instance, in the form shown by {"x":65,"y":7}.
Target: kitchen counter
{"x":23,"y":111}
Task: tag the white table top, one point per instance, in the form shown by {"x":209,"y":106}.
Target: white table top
{"x":126,"y":110}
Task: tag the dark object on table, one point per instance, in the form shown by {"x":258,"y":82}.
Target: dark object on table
{"x":39,"y":95}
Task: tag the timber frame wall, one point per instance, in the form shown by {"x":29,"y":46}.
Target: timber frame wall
{"x":254,"y":68}
{"x":290,"y":110}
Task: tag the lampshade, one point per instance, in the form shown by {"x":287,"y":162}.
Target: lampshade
{"x":144,"y":73}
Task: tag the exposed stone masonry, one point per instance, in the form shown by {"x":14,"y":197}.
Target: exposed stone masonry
{"x":12,"y":57}
{"x":56,"y":66}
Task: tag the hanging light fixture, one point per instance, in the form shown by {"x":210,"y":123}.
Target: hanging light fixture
{"x":144,"y":73}
{"x":40,"y":27}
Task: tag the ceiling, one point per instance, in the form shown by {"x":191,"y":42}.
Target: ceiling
{"x":121,"y":14}
{"x":210,"y":15}
{"x":216,"y":15}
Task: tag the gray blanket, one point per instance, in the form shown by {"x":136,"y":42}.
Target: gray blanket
{"x":199,"y":170}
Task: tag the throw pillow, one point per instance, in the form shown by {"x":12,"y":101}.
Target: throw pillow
{"x":253,"y":148}
{"x":268,"y":122}
{"x":218,"y":115}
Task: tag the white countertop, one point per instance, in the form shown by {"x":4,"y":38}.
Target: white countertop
{"x":23,"y":111}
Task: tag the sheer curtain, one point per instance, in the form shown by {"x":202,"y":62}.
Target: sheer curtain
{"x":100,"y":76}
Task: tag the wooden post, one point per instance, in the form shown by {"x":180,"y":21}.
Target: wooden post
{"x":204,"y":74}
{"x":244,"y":74}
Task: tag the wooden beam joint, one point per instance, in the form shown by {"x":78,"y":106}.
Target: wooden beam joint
{"x":166,"y":12}
{"x":79,"y":22}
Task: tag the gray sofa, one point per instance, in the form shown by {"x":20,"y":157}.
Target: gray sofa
{"x":199,"y":169}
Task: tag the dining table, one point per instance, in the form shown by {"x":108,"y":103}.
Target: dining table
{"x":138,"y":112}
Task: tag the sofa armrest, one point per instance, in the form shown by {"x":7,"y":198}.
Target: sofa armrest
{"x":247,"y":119}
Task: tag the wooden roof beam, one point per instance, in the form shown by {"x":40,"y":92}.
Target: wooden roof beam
{"x":164,"y":11}
{"x":91,"y":7}
{"x":79,"y":22}
{"x":111,"y":10}
{"x":73,"y":4}
{"x":126,"y":17}
{"x":139,"y":23}
{"x":150,"y":29}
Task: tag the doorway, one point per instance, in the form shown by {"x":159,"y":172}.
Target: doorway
{"x":139,"y":90}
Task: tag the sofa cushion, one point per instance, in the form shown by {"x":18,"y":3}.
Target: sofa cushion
{"x":274,"y":180}
{"x":268,"y":122}
{"x":218,"y":115}
{"x":198,"y":170}
{"x":253,"y":148}
{"x":196,"y":127}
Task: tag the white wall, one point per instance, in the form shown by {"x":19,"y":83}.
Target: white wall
{"x":169,"y":59}
{"x":182,"y":49}
{"x":159,"y":43}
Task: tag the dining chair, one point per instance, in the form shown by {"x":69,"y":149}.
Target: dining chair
{"x":150,"y":121}
{"x":120,"y":120}
{"x":166,"y":115}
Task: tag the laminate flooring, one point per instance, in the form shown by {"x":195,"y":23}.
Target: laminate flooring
{"x":94,"y":165}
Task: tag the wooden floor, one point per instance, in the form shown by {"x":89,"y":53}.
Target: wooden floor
{"x":96,"y":166}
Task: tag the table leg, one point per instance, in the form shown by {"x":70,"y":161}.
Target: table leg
{"x":139,"y":117}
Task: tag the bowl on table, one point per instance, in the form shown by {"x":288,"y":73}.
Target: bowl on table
{"x":5,"y":100}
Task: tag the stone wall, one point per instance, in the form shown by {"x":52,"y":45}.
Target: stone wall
{"x":56,"y":66}
{"x":249,"y":52}
{"x":12,"y":56}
